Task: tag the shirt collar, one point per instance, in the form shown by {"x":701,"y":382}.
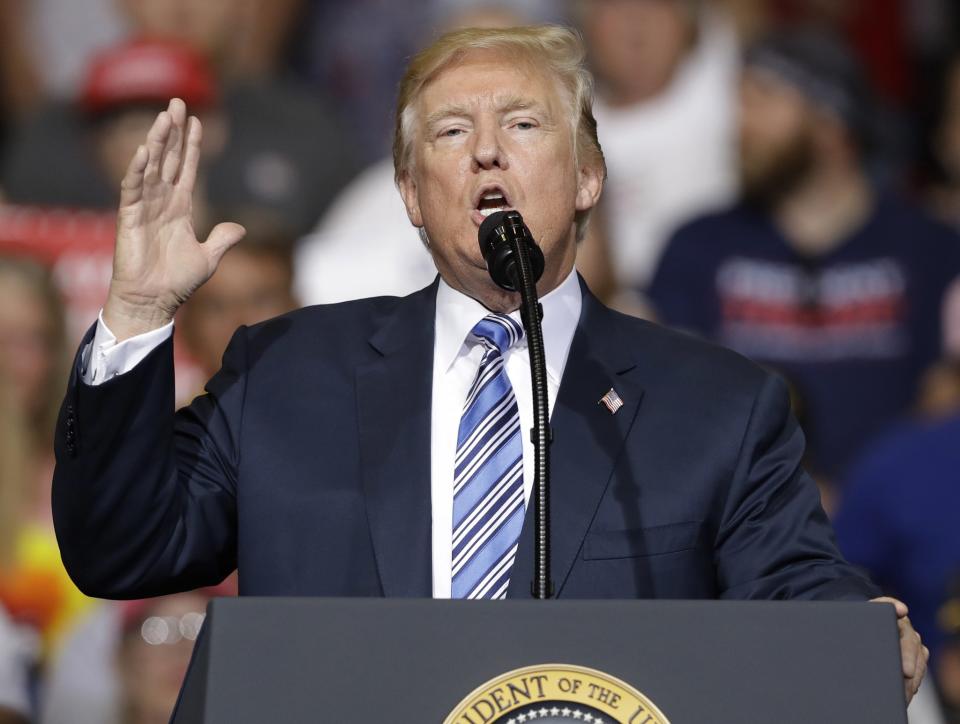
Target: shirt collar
{"x":457,"y":314}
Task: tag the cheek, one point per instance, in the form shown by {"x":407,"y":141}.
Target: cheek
{"x":440,"y":197}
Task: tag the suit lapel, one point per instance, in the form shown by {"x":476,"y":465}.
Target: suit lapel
{"x":394,"y":394}
{"x":587,"y":439}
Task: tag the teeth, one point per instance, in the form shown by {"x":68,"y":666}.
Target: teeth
{"x":487,"y":212}
{"x":492,"y":196}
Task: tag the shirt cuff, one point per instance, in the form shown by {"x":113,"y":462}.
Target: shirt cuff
{"x":104,"y":358}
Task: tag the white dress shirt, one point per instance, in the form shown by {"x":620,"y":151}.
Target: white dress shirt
{"x":455,"y":363}
{"x":456,"y":360}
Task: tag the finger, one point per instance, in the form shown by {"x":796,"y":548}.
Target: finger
{"x":222,"y":237}
{"x":909,"y":691}
{"x":191,"y":156}
{"x":899,"y":606}
{"x":170,"y":164}
{"x":911,"y":648}
{"x":922,"y":657}
{"x":912,"y":683}
{"x":156,"y":140}
{"x":909,"y":654}
{"x":131,"y":187}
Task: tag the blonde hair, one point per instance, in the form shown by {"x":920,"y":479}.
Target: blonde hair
{"x":556,"y":49}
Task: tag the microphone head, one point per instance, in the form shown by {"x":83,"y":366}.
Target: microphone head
{"x":495,"y":236}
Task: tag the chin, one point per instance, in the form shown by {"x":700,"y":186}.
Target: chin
{"x":493,"y":297}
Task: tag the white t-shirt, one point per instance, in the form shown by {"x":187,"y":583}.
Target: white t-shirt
{"x":365,"y":246}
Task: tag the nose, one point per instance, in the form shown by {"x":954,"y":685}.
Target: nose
{"x":488,"y":151}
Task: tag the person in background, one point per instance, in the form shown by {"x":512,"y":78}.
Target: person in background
{"x":254,"y":282}
{"x":364,"y":245}
{"x":34,"y":587}
{"x":19,"y":82}
{"x":124,"y":663}
{"x":907,"y":476}
{"x":816,"y":272}
{"x":121,"y":90}
{"x":38,"y":601}
{"x":356,"y":50}
{"x":666,"y":75}
{"x":940,"y":390}
{"x":151,"y":659}
{"x":267,"y":156}
{"x":288,"y":151}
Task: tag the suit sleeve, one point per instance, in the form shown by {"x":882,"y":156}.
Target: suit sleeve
{"x":774,"y":540}
{"x":144,"y":499}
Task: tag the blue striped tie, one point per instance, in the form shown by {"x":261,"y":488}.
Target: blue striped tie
{"x":488,"y":471}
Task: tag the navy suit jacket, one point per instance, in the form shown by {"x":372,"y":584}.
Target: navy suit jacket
{"x":307,"y":466}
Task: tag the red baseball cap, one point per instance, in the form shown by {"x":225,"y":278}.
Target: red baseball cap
{"x":148,"y":70}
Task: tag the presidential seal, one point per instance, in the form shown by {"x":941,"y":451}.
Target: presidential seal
{"x":556,"y":693}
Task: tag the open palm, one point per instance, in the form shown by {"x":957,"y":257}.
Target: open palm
{"x":158,"y":261}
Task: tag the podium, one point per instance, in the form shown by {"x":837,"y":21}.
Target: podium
{"x":411,"y":661}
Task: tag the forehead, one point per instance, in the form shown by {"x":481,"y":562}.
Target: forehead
{"x":486,"y":79}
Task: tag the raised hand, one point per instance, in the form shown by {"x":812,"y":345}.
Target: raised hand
{"x":158,"y":261}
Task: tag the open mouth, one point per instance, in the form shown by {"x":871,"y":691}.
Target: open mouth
{"x":492,"y":200}
{"x":491,"y":203}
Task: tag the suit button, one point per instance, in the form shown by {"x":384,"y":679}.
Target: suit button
{"x":70,"y":410}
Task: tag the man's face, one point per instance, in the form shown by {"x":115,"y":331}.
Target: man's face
{"x":636,"y":45}
{"x":492,"y":127}
{"x":205,"y":24}
{"x":27,"y":343}
{"x":776,"y":136}
{"x":247,"y":288}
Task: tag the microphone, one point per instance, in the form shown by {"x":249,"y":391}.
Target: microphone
{"x":497,"y":236}
{"x":516,"y":263}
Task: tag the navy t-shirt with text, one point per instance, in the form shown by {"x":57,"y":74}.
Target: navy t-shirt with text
{"x":852,"y":329}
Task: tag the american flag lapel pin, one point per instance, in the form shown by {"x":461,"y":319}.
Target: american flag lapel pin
{"x":612,"y":401}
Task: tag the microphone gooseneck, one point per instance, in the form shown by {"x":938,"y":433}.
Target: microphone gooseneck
{"x":516,"y":263}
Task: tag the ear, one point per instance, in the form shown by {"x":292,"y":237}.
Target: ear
{"x":589,"y":186}
{"x":411,"y":198}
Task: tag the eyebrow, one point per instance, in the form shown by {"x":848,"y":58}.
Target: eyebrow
{"x":505,"y":104}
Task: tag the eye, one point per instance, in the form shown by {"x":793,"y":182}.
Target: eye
{"x":450,"y":132}
{"x":525,"y":125}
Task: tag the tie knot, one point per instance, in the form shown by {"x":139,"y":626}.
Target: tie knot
{"x":498,"y":331}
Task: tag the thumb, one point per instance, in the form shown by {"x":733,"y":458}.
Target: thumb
{"x":900,"y":606}
{"x":221,"y":238}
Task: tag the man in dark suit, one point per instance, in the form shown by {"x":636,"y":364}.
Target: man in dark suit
{"x":326,"y":459}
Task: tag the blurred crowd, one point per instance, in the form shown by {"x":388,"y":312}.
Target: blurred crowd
{"x":784,"y":179}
